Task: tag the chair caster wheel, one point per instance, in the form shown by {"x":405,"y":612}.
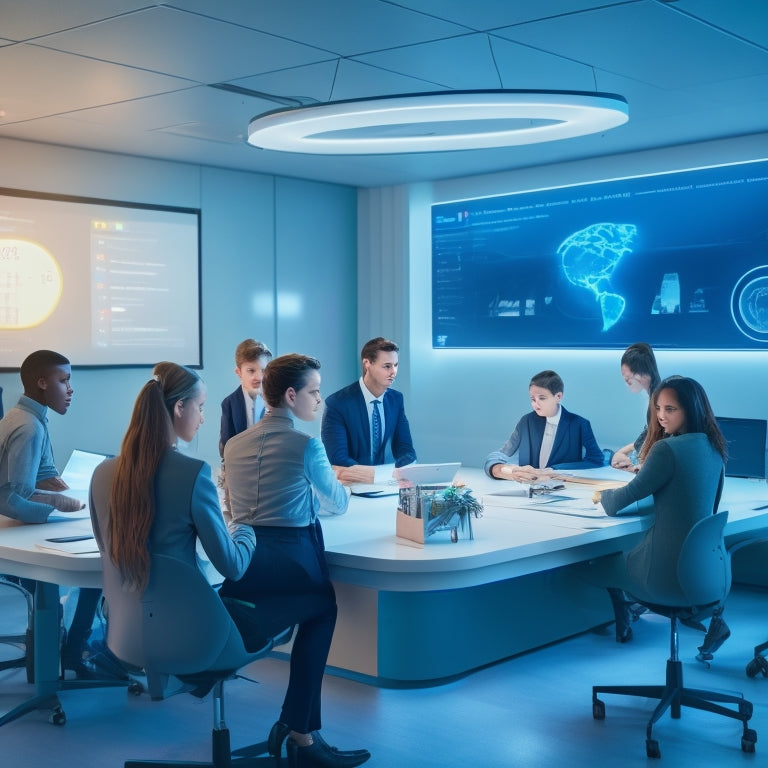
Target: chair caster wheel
{"x":652,"y":748}
{"x":748,"y":740}
{"x":756,"y":666}
{"x":58,"y":716}
{"x":136,"y":688}
{"x":598,"y":709}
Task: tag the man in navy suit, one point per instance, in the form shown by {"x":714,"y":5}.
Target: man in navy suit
{"x":365,"y":430}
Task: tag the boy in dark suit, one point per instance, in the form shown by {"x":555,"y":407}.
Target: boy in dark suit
{"x":365,"y":430}
{"x":548,"y":438}
{"x":245,"y":406}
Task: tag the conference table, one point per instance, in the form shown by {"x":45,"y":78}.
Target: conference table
{"x":413,"y":615}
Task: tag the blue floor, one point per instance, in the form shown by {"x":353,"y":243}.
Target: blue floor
{"x":533,"y":710}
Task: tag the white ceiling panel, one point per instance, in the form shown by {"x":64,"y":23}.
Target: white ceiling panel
{"x":345,"y":27}
{"x":49,"y":82}
{"x":491,"y":15}
{"x":33,"y":18}
{"x":652,"y":42}
{"x":443,"y":62}
{"x":747,"y":19}
{"x":131,"y":76}
{"x":184,"y":45}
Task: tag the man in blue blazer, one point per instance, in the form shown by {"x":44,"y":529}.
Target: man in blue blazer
{"x":350,"y":428}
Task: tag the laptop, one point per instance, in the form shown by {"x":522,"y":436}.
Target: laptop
{"x":77,"y":475}
{"x":429,"y":474}
{"x":79,"y":469}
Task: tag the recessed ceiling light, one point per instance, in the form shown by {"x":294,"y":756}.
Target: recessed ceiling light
{"x":437,"y":122}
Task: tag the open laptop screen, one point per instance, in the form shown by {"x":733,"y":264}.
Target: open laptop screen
{"x":79,"y":469}
{"x":745,"y":440}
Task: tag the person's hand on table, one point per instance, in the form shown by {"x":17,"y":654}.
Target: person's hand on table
{"x":526,"y":474}
{"x":358,"y":473}
{"x":51,"y":484}
{"x":59,"y":501}
{"x":621,"y":460}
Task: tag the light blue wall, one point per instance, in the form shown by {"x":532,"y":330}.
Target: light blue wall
{"x":278,"y":264}
{"x":464,"y":403}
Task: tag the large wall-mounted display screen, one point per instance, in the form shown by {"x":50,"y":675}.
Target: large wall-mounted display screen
{"x":679,"y":260}
{"x":104,"y":283}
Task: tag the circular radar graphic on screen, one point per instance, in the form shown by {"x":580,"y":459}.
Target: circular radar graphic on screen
{"x":749,"y":304}
{"x":30,"y":284}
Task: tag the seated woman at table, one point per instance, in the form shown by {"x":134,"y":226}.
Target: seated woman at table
{"x":153,"y":499}
{"x":549,"y":438}
{"x":279,"y":479}
{"x":640,"y":374}
{"x":682,"y":467}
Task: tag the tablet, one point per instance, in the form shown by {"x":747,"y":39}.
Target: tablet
{"x":429,"y":474}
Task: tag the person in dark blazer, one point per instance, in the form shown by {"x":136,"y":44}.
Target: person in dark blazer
{"x":549,"y":438}
{"x":245,"y":405}
{"x":350,"y":429}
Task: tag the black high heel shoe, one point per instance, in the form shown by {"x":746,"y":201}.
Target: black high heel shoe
{"x":717,"y":634}
{"x":277,"y":735}
{"x":320,"y":755}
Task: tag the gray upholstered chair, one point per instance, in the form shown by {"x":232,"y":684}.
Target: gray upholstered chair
{"x":704,"y":580}
{"x":181,"y":635}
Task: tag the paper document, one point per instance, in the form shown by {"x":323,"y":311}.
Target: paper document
{"x":575,"y":508}
{"x":511,"y":488}
{"x":73,"y":545}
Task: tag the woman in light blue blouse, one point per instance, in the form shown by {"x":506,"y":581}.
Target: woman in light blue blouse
{"x":279,"y":479}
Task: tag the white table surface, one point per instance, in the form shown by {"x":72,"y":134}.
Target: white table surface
{"x":362,"y":547}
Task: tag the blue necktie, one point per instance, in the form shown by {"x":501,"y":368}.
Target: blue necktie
{"x":375,"y":432}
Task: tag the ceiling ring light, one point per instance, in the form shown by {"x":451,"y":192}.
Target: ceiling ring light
{"x":437,"y":122}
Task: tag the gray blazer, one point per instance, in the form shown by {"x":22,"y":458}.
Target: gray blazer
{"x":684,"y":474}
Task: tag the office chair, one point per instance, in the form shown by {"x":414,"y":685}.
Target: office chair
{"x":182,"y":636}
{"x":23,"y":642}
{"x":704,"y":580}
{"x":759,"y":664}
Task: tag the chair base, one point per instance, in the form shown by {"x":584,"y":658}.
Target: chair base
{"x":221,"y":757}
{"x":673,"y":696}
{"x":759,"y":664}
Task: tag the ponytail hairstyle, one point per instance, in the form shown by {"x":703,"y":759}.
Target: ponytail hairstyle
{"x":132,"y":496}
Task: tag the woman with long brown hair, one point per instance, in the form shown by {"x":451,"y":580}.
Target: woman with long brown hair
{"x":154,"y":499}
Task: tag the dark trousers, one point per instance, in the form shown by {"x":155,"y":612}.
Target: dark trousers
{"x":82,"y":622}
{"x":287,"y":583}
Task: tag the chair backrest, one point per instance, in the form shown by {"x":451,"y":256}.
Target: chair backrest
{"x":704,"y":565}
{"x":178,"y":626}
